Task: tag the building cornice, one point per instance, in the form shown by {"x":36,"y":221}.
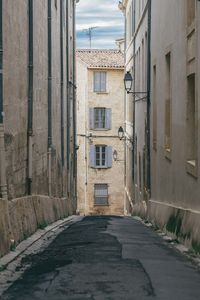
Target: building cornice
{"x":105,"y":68}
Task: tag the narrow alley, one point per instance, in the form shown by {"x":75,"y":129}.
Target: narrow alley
{"x":99,"y":149}
{"x":104,"y":257}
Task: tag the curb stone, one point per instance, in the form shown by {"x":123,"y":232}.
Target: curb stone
{"x":173,"y":243}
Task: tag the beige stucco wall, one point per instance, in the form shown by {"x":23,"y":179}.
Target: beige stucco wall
{"x":87,"y":176}
{"x":173,"y":187}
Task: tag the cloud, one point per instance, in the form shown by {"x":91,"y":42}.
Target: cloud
{"x":103,"y":14}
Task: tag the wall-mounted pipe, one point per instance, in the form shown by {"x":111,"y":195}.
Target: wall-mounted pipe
{"x":3,"y":182}
{"x":134,"y":150}
{"x":149,"y":101}
{"x":30,"y":97}
{"x":1,"y":61}
{"x":61,"y":83}
{"x":49,"y":96}
{"x":74,"y":106}
{"x":68,"y":88}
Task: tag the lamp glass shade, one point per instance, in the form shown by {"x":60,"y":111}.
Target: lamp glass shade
{"x":120,"y":133}
{"x":128,"y":81}
{"x":115,"y":154}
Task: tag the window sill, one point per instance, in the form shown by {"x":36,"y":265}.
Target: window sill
{"x":100,"y":93}
{"x":100,"y":129}
{"x":101,"y":205}
{"x":99,"y":168}
{"x":191,"y":168}
{"x":168,"y":153}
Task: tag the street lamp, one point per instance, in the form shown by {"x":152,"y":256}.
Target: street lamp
{"x":128,"y":82}
{"x":121,"y":133}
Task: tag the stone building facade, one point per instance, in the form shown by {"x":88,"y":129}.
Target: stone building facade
{"x":137,"y":186}
{"x":171,"y":80}
{"x":100,"y":113}
{"x":37,"y":100}
{"x":175,"y":118}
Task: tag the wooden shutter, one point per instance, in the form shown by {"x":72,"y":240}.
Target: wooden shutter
{"x":97,"y":80}
{"x":108,"y":118}
{"x":109,"y":155}
{"x":91,"y":118}
{"x":92,"y":156}
{"x":103,"y":81}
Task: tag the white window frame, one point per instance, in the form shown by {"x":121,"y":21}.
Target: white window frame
{"x":100,"y":88}
{"x":102,"y":156}
{"x":100,"y":118}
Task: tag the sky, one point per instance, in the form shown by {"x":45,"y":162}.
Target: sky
{"x":103,"y":14}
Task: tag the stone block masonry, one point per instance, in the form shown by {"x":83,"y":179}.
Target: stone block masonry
{"x":26,"y":215}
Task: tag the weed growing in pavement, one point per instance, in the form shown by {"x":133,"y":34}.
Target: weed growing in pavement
{"x":25,"y":236}
{"x":2,"y":268}
{"x":42,"y":225}
{"x":196,"y":246}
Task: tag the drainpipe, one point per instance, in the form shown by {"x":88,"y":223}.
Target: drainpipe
{"x":74,"y":106}
{"x":49,"y":98}
{"x":61,"y":82}
{"x":125,"y":125}
{"x":68,"y":87}
{"x":149,"y":101}
{"x":30,"y":98}
{"x":134,"y":70}
{"x":3,"y":184}
{"x":68,"y":99}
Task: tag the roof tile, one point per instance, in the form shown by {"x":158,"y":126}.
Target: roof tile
{"x":101,"y":58}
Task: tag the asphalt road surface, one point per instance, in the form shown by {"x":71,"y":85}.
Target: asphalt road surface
{"x":107,"y":258}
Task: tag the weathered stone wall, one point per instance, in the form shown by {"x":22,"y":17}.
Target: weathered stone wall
{"x":22,"y":214}
{"x":26,"y":215}
{"x":15,"y":86}
{"x":15,"y":64}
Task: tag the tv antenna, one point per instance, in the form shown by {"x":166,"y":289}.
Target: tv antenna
{"x":89,"y":32}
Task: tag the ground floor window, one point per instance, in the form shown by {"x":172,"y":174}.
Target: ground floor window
{"x":101,"y":194}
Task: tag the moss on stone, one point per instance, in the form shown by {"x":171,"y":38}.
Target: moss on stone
{"x":171,"y":224}
{"x":174,"y":224}
{"x":2,"y":268}
{"x":42,"y":225}
{"x":196,"y":246}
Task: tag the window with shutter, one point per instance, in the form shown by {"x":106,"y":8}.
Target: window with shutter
{"x":100,"y":118}
{"x":100,"y":156}
{"x":101,"y":194}
{"x":99,"y":82}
